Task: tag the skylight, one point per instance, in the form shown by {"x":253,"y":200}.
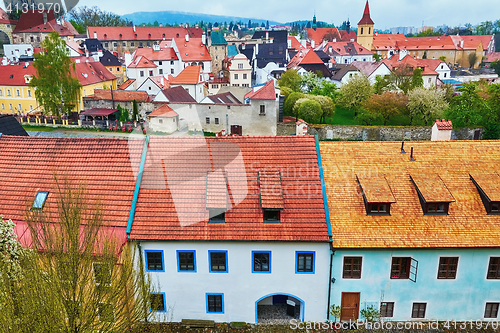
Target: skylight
{"x":40,"y":199}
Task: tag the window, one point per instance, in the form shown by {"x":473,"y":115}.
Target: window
{"x":400,"y":268}
{"x":132,"y":43}
{"x":244,"y":76}
{"x":261,"y":261}
{"x":362,"y":30}
{"x":236,"y":76}
{"x":19,"y":107}
{"x":386,"y":309}
{"x":3,"y":106}
{"x":141,"y":73}
{"x":8,"y":92}
{"x":418,"y":310}
{"x":447,"y":267}
{"x":186,"y":261}
{"x":158,"y":302}
{"x":106,"y":44}
{"x":493,"y":268}
{"x":160,"y":63}
{"x":491,"y":310}
{"x":436,"y":208}
{"x":352,"y":268}
{"x":106,"y":312}
{"x":102,"y":273}
{"x":215,"y":303}
{"x":444,"y":74}
{"x":215,"y":86}
{"x":240,"y":66}
{"x":171,"y":62}
{"x":160,"y":121}
{"x":160,"y":71}
{"x":271,"y":216}
{"x":150,"y":73}
{"x":218,"y":261}
{"x":1,"y":92}
{"x":40,"y":198}
{"x":262,"y":110}
{"x":216,"y":121}
{"x":18,"y":93}
{"x":154,"y":261}
{"x":124,"y":43}
{"x":115,"y":44}
{"x":140,"y":44}
{"x":29,"y":93}
{"x":207,"y":120}
{"x":172,"y":71}
{"x":148,"y":44}
{"x":10,"y":106}
{"x":379,"y":208}
{"x":304,"y":262}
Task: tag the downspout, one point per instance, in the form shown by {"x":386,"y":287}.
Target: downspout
{"x":327,"y":218}
{"x":137,"y":186}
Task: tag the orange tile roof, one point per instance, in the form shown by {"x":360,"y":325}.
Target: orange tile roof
{"x":217,"y":190}
{"x":118,"y":95}
{"x":194,"y":50}
{"x":126,"y":84}
{"x":494,"y":56}
{"x":489,"y":183}
{"x":104,"y":166}
{"x":467,"y":223}
{"x":142,"y":33}
{"x":162,"y":54}
{"x":163,"y":111}
{"x":172,"y":201}
{"x":347,"y":48}
{"x":271,"y":189}
{"x":266,"y":92}
{"x":189,"y":75}
{"x":431,"y":187}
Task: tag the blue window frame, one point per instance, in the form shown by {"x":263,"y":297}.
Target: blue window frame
{"x":158,"y":302}
{"x":154,"y":261}
{"x":215,"y":303}
{"x":186,"y":261}
{"x":304,"y":262}
{"x":261,"y":261}
{"x":217,"y":261}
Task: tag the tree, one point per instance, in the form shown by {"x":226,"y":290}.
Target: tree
{"x":355,"y":92}
{"x":310,"y":111}
{"x":10,"y":249}
{"x":96,"y":17}
{"x":382,"y":84}
{"x":472,"y":59}
{"x":290,"y":102}
{"x":327,"y":89}
{"x":401,"y":78}
{"x":74,"y":281}
{"x":469,"y":109}
{"x":386,"y":105}
{"x":426,"y":104}
{"x":377,"y":57}
{"x":124,"y":114}
{"x":327,"y":106}
{"x":55,"y":87}
{"x":416,"y":80}
{"x":135,"y":111}
{"x":290,"y":79}
{"x":425,"y":55}
{"x":309,"y":82}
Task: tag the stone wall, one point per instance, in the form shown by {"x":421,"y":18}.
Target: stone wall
{"x":375,"y":133}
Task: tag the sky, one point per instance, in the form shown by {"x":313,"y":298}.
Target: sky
{"x":384,"y":13}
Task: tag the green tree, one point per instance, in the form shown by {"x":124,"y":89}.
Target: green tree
{"x":496,"y":66}
{"x":426,"y":104}
{"x":55,"y":87}
{"x":382,"y":84}
{"x":472,"y":59}
{"x":327,"y":106}
{"x":74,"y":280}
{"x":386,"y":105}
{"x":135,"y":111}
{"x":470,"y":109}
{"x":355,"y":92}
{"x":327,"y":89}
{"x":416,"y":80}
{"x":401,"y":78}
{"x":290,"y":102}
{"x":377,"y":57}
{"x":425,"y":55}
{"x":95,"y":17}
{"x":290,"y":79}
{"x":309,"y":82}
{"x":310,"y":111}
{"x":124,"y":113}
{"x":442,"y":58}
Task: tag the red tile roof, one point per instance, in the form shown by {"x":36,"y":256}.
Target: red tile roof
{"x":444,"y":125}
{"x":13,"y":75}
{"x":163,"y":111}
{"x":118,"y":95}
{"x":217,"y":190}
{"x":366,"y":19}
{"x":34,"y":22}
{"x":189,"y":75}
{"x":104,"y":166}
{"x":295,"y":44}
{"x":194,"y":50}
{"x":126,"y":84}
{"x":347,"y":37}
{"x":142,"y":33}
{"x":271,"y":189}
{"x":172,"y":199}
{"x":304,"y":57}
{"x":321,"y":34}
{"x":178,"y":95}
{"x":266,"y":92}
{"x":345,"y":48}
{"x":162,"y":54}
{"x":494,"y":56}
{"x":411,"y":62}
{"x":142,"y":62}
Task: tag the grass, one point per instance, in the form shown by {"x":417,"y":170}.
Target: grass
{"x":38,"y":128}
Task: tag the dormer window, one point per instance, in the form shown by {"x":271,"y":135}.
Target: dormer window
{"x":488,"y":186}
{"x":217,"y":196}
{"x":433,"y":194}
{"x":377,"y":194}
{"x":271,"y":195}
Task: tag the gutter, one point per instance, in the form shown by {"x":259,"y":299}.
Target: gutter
{"x":137,"y":186}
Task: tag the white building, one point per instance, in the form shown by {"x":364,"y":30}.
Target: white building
{"x":240,"y":71}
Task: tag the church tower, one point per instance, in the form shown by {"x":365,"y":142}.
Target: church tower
{"x":365,"y":29}
{"x":314,"y":25}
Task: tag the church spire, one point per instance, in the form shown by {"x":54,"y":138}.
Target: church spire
{"x":366,"y":19}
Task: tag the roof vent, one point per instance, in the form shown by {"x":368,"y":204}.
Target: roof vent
{"x":105,"y":35}
{"x":403,"y":147}
{"x":411,"y":155}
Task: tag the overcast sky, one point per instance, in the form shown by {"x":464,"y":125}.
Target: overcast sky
{"x":385,"y":13}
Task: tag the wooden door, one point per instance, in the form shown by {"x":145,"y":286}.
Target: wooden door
{"x":350,"y":306}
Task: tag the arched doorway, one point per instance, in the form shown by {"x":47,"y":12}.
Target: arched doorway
{"x":279,"y":308}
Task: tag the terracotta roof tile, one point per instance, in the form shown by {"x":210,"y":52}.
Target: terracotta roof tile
{"x":142,"y":33}
{"x":444,"y":125}
{"x":489,"y":184}
{"x":163,"y":111}
{"x":142,"y":62}
{"x":431,"y":187}
{"x":271,"y":190}
{"x":366,"y":19}
{"x":118,"y":95}
{"x":166,"y":54}
{"x":172,"y":203}
{"x":266,"y":92}
{"x":126,"y":84}
{"x":189,"y":75}
{"x":376,"y":189}
{"x":193,"y":50}
{"x":467,"y":223}
{"x":217,"y":189}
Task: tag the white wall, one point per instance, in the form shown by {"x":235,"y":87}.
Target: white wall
{"x":186,"y":291}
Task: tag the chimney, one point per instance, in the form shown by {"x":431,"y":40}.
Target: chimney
{"x":323,"y":44}
{"x":133,"y":27}
{"x":289,"y":43}
{"x":242,"y":46}
{"x":411,"y":155}
{"x":312,"y":43}
{"x":156,"y":47}
{"x":335,"y":40}
{"x":204,"y":39}
{"x":462,"y":44}
{"x":95,"y":35}
{"x":267,"y":35}
{"x":187,"y":37}
{"x":403,"y":147}
{"x":44,"y":17}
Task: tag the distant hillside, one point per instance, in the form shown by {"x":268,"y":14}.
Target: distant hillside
{"x":172,"y":17}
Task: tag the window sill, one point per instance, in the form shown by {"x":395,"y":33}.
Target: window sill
{"x":262,"y":114}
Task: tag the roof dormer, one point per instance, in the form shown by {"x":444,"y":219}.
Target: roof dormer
{"x":433,"y":194}
{"x":488,"y":186}
{"x":377,"y":194}
{"x":271,"y":194}
{"x":216,"y":201}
